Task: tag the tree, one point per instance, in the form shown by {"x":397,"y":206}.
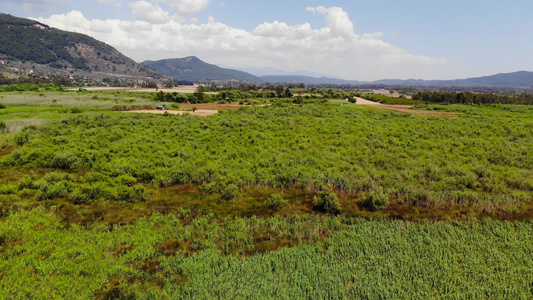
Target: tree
{"x":168,"y":83}
{"x":279,"y":91}
{"x":288,"y":93}
{"x":199,"y":93}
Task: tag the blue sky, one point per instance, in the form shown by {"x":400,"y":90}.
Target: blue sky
{"x":361,"y":40}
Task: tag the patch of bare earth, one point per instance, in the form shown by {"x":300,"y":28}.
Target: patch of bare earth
{"x":407,"y":109}
{"x":198,"y":112}
{"x":186,"y":89}
{"x":201,"y":109}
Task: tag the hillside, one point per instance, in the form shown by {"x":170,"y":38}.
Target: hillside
{"x":26,"y":40}
{"x":306,"y":79}
{"x":192,"y":68}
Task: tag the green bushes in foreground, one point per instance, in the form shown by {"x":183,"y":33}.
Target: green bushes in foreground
{"x":480,"y":159}
{"x":310,"y":257}
{"x":93,"y":186}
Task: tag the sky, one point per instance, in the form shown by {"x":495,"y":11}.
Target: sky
{"x":349,"y":39}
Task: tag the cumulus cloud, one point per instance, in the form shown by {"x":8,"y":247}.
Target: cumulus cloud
{"x":335,"y":50}
{"x":337,"y":20}
{"x":149,"y":12}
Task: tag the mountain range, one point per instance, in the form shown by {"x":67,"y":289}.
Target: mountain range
{"x":28,"y":41}
{"x":193,"y":69}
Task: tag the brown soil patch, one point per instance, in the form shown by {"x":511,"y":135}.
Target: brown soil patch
{"x":198,"y":112}
{"x":202,"y":109}
{"x":186,"y":89}
{"x":210,"y":106}
{"x":407,"y":109}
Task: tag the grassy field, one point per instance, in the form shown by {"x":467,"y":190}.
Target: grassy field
{"x":313,"y":200}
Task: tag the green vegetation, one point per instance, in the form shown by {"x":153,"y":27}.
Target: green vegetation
{"x":310,"y":200}
{"x":473,"y":98}
{"x":327,"y":202}
{"x":170,"y":257}
{"x":446,"y":159}
{"x":276,"y":202}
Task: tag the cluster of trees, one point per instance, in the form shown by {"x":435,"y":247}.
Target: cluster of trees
{"x":30,"y":86}
{"x":473,"y":98}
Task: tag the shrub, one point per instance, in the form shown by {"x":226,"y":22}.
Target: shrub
{"x":3,"y":127}
{"x":275,"y":202}
{"x":79,"y":197}
{"x":130,"y":194}
{"x":22,"y":138}
{"x":327,"y":202}
{"x":2,"y":106}
{"x":127,"y":180}
{"x":8,"y":189}
{"x":53,"y":190}
{"x":375,"y":200}
{"x":175,"y":105}
{"x":76,"y":110}
{"x":229,"y":191}
{"x":27,"y":182}
{"x":64,"y":160}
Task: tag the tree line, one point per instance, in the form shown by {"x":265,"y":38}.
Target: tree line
{"x":473,"y":98}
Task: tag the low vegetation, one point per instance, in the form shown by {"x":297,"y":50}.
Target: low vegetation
{"x":297,"y":199}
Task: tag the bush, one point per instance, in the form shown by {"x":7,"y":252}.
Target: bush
{"x":229,"y":191}
{"x":22,"y":138}
{"x":8,"y":189}
{"x":130,"y":194}
{"x":2,"y":106}
{"x":27,"y":182}
{"x":3,"y":127}
{"x":375,"y":200}
{"x":79,"y":197}
{"x":275,"y":202}
{"x":327,"y":202}
{"x":175,"y":105}
{"x":64,"y":160}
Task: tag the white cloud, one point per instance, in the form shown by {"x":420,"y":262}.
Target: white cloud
{"x":334,"y":50}
{"x":111,"y":2}
{"x":149,"y":12}
{"x":337,"y":20}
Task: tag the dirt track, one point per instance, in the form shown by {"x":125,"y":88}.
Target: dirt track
{"x":186,"y":89}
{"x":198,"y":112}
{"x":406,"y":109}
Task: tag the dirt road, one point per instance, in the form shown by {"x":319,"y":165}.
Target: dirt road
{"x":198,"y":112}
{"x":407,"y":109}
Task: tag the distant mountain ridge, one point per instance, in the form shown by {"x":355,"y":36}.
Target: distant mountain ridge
{"x":28,"y":40}
{"x":515,"y":79}
{"x":307,"y":79}
{"x":192,"y":68}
